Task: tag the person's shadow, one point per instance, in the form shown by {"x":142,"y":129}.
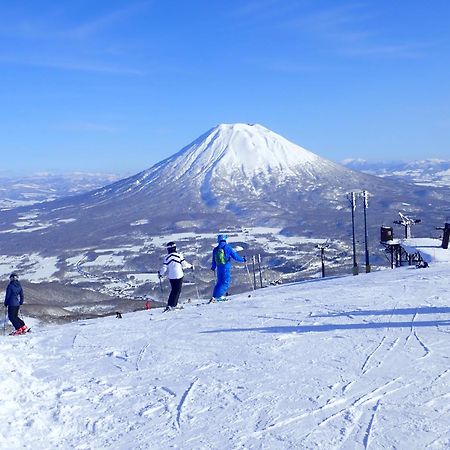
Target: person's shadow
{"x":321,"y":328}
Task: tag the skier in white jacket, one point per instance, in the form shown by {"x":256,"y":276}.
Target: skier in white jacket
{"x":173,"y":266}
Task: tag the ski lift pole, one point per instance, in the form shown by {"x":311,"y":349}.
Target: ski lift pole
{"x":260,"y":272}
{"x":322,"y":247}
{"x":352,"y":198}
{"x":366,"y":244}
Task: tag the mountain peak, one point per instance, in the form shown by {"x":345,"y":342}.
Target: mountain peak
{"x":249,"y":149}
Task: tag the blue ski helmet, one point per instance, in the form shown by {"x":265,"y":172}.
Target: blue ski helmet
{"x":222,"y":237}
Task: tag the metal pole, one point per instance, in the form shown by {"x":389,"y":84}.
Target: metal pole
{"x":259,"y":268}
{"x":322,"y":254}
{"x":366,"y":205}
{"x":254,"y":272}
{"x":353,"y":205}
{"x":249,"y":277}
{"x":4,"y":323}
{"x":195,"y":283}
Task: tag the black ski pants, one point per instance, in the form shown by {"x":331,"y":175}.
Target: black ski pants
{"x":13,"y":316}
{"x":175,"y":292}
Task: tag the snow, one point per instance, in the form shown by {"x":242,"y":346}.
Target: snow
{"x":250,"y":149}
{"x":430,"y":249}
{"x":353,"y":363}
{"x":32,"y":267}
{"x":139,"y":222}
{"x":27,"y":227}
{"x":106,"y":261}
{"x":66,"y":220}
{"x":143,"y":277}
{"x":43,"y":269}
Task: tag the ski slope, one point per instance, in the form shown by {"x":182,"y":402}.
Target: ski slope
{"x":347,"y":363}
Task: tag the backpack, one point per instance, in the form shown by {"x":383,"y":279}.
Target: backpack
{"x":219,"y":257}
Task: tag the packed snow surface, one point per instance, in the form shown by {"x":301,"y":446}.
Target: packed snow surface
{"x":350,"y":363}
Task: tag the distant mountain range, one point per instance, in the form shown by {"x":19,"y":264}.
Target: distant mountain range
{"x":427,"y":172}
{"x":45,"y":186}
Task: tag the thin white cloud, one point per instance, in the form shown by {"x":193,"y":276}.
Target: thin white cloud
{"x":288,"y":66}
{"x":98,"y":24}
{"x":50,"y":25}
{"x":75,"y":65}
{"x":56,"y":44}
{"x":387,"y":50}
{"x":254,"y":7}
{"x":347,"y":28}
{"x":89,"y":127}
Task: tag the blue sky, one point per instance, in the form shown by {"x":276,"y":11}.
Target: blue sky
{"x":119,"y":85}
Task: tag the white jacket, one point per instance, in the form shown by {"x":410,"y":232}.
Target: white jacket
{"x":174,"y":263}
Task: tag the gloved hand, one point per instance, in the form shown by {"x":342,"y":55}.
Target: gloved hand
{"x":245,"y":259}
{"x":159,"y":275}
{"x":213,"y":269}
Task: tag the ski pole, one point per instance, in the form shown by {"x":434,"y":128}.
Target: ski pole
{"x":249,"y":277}
{"x":4,"y":323}
{"x":160,"y":283}
{"x":254,"y":272}
{"x":260,"y":272}
{"x":195,"y":283}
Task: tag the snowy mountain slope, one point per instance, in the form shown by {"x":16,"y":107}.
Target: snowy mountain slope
{"x":349,"y":363}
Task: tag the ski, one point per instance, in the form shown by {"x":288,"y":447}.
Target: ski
{"x":13,"y":333}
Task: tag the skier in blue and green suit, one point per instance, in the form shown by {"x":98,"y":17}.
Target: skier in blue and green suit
{"x":221,"y":260}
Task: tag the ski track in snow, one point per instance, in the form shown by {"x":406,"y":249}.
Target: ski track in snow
{"x":183,"y":401}
{"x":267,"y":372}
{"x":366,"y":439}
{"x":141,"y":355}
{"x":413,"y":332}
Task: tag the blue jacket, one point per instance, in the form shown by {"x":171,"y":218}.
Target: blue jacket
{"x":229,"y":253}
{"x":14,"y":294}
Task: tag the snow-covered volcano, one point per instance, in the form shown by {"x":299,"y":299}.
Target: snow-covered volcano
{"x":233,"y":175}
{"x":242,"y":150}
{"x":235,"y":156}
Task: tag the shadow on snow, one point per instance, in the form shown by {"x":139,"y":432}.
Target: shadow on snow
{"x":334,"y":327}
{"x":388,"y":312}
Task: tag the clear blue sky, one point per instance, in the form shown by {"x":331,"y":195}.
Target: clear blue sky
{"x":98,"y":85}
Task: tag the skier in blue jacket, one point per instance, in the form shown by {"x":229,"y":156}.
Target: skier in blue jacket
{"x":14,"y":300}
{"x":221,"y":260}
